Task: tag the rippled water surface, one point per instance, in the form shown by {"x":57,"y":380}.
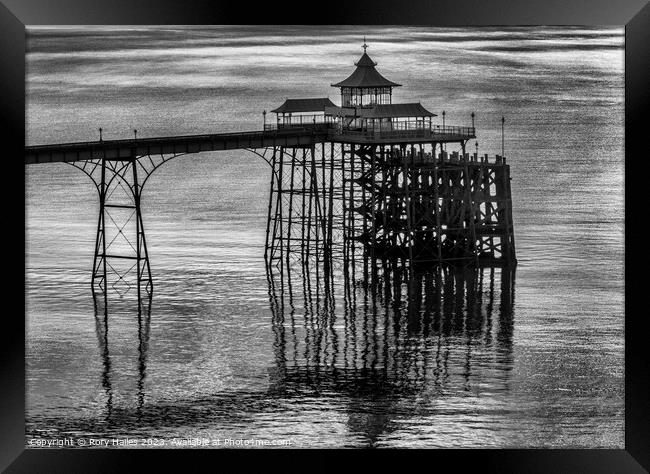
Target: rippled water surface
{"x":484,"y":359}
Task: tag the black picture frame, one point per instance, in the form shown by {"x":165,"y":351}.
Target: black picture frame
{"x":634,"y":14}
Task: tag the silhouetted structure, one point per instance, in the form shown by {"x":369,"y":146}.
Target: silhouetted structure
{"x":364,"y":180}
{"x":382,"y":184}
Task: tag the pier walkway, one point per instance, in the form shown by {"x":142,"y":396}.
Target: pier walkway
{"x":291,"y":136}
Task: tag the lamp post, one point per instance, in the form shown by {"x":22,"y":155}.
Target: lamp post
{"x":503,"y":121}
{"x":135,"y":134}
{"x":472,"y":119}
{"x":443,"y":127}
{"x":100,"y":134}
{"x":264,"y":119}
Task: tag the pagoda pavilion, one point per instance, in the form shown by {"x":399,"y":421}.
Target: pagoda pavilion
{"x":366,"y":108}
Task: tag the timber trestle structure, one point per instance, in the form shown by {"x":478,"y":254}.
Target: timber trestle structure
{"x":337,"y":205}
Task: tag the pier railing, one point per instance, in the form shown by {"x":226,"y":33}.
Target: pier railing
{"x":294,"y":135}
{"x":285,"y":127}
{"x":435,"y":133}
{"x":395,"y":131}
{"x":298,"y":121}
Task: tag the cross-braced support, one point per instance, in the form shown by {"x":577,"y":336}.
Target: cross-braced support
{"x":301,"y":214}
{"x":120,"y":246}
{"x":121,"y":258}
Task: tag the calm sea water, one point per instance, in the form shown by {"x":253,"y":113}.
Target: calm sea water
{"x":218,"y":355}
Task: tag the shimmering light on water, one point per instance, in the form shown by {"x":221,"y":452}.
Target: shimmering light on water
{"x":215,"y":362}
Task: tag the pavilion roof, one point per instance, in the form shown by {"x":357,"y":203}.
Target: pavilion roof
{"x":303,"y":105}
{"x":365,"y":75}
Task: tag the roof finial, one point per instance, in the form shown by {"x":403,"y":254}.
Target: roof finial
{"x":364,"y":44}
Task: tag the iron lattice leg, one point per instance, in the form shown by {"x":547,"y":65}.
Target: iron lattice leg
{"x":120,"y":246}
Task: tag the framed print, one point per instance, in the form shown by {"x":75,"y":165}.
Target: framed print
{"x":389,"y":228}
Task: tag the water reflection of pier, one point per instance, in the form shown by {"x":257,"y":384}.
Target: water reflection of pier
{"x":102,"y":331}
{"x":394,"y":334}
{"x":380,"y":351}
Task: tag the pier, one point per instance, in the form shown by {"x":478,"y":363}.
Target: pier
{"x":349,"y":185}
